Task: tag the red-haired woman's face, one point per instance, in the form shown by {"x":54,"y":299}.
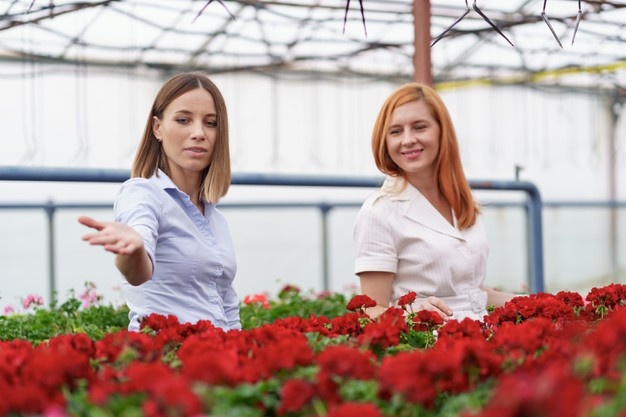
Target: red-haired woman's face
{"x":413,"y":139}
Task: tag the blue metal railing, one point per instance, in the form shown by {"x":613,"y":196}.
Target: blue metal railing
{"x":533,"y":204}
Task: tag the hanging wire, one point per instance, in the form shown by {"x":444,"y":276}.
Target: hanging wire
{"x":545,"y":19}
{"x":345,"y":17}
{"x":8,"y":9}
{"x":207,"y":4}
{"x":578,"y":18}
{"x":438,"y":38}
{"x":30,"y":6}
{"x":486,"y":19}
{"x":480,"y":12}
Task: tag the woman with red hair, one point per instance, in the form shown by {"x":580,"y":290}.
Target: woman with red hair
{"x":422,"y":231}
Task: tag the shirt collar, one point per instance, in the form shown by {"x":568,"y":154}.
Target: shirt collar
{"x":161,"y":179}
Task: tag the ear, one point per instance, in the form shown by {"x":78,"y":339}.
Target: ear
{"x":156,"y":128}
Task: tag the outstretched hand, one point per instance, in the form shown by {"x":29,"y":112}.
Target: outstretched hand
{"x":115,"y":237}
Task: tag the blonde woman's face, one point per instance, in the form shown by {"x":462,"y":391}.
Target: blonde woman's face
{"x":188,"y":132}
{"x":413,"y":139}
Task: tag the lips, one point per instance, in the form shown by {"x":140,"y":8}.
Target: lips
{"x":412,"y":153}
{"x":196,"y":149}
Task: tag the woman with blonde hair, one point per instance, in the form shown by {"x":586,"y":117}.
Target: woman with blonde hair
{"x":171,"y":244}
{"x":422,"y":231}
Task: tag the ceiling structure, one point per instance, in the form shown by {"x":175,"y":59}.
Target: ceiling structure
{"x":549,"y":42}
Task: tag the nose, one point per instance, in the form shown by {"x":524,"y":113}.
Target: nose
{"x":198,"y":131}
{"x":408,"y":137}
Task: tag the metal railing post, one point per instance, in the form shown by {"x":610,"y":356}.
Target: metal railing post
{"x":534,"y":224}
{"x":535,"y":241}
{"x":324,"y":210}
{"x":50,"y":209}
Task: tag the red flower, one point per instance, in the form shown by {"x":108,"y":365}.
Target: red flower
{"x":404,"y":374}
{"x":407,"y":299}
{"x":287,"y":289}
{"x":426,"y":320}
{"x":348,"y":324}
{"x":359,"y":302}
{"x":294,"y":395}
{"x":347,"y":362}
{"x":385,"y":330}
{"x":533,"y":394}
{"x":257,"y":298}
{"x":465,"y":329}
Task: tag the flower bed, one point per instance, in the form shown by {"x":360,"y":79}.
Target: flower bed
{"x":540,"y":355}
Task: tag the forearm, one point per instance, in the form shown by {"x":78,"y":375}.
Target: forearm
{"x":377,"y":286}
{"x":498,"y":298}
{"x":135,"y":267}
{"x":375,"y":311}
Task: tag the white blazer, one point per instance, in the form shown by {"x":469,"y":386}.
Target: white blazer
{"x":404,"y":234}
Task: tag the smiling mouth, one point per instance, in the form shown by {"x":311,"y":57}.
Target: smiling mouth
{"x":412,"y":153}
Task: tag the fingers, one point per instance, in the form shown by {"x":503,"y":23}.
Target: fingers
{"x":117,"y":247}
{"x":437,"y":305}
{"x":437,"y":302}
{"x":91,"y":222}
{"x":114,"y":237}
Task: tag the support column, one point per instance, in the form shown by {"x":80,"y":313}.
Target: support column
{"x":422,"y":71}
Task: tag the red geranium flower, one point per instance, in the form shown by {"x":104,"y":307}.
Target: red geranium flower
{"x":294,"y":395}
{"x":360,"y":302}
{"x":426,"y":320}
{"x":407,"y":299}
{"x":347,"y":362}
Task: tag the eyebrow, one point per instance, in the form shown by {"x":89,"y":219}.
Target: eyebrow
{"x":411,"y":122}
{"x":183,"y":111}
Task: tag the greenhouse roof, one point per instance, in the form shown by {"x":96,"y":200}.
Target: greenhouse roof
{"x":549,"y":42}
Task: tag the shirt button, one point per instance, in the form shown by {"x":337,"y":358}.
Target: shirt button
{"x":219,"y":270}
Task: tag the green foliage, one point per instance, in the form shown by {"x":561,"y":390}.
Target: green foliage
{"x":418,"y":339}
{"x":40,"y":324}
{"x":457,"y":404}
{"x":67,"y":318}
{"x":245,"y":400}
{"x":290,"y":303}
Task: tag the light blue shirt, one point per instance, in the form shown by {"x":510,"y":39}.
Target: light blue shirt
{"x":192,"y":255}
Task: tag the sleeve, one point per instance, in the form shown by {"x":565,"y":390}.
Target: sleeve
{"x":137,"y":205}
{"x":375,"y":243}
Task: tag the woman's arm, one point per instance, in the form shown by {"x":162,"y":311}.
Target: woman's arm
{"x":497,"y":298}
{"x":377,"y":286}
{"x":131,"y":257}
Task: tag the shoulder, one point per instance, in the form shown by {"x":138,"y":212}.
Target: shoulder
{"x":139,"y":191}
{"x":378,"y":211}
{"x":137,"y":182}
{"x":377,"y":203}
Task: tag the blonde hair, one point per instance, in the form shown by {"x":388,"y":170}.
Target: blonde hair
{"x":150,"y":154}
{"x":449,"y":173}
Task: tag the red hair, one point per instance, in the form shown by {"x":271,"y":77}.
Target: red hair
{"x":449,"y":173}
